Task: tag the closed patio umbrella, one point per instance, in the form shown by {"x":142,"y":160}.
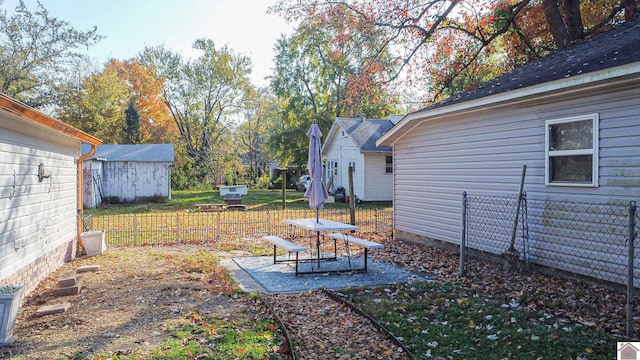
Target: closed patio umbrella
{"x":316,"y":192}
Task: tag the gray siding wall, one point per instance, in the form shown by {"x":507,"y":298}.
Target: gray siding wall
{"x":36,"y":218}
{"x":378,"y":184}
{"x":130,"y":180}
{"x":483,"y":152}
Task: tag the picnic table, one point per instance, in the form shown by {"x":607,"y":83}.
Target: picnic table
{"x":320,"y":227}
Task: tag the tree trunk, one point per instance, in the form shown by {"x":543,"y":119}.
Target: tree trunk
{"x":573,"y":19}
{"x":631,"y":9}
{"x":555,"y":23}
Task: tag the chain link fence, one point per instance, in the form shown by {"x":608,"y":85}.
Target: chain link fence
{"x":593,"y":241}
{"x":199,"y":227}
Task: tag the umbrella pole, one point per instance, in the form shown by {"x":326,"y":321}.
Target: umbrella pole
{"x":318,"y":236}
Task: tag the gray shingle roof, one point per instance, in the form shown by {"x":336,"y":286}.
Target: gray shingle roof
{"x":141,"y":152}
{"x":365,"y":132}
{"x":615,"y":47}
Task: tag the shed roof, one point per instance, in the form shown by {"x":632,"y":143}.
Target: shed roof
{"x":587,"y":61}
{"x":140,"y":152}
{"x":364,"y":132}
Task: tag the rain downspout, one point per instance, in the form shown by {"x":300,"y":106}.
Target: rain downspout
{"x":80,"y":193}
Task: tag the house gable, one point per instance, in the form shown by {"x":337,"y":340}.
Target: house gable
{"x":351,"y":142}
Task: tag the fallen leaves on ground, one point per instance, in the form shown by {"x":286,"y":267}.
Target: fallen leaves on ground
{"x":124,"y":308}
{"x":578,"y":301}
{"x":322,"y":328}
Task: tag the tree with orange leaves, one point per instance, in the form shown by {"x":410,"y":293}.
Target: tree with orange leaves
{"x":442,"y":46}
{"x":97,"y":103}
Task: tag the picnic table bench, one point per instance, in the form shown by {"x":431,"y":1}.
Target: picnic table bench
{"x":211,"y":207}
{"x":351,"y":240}
{"x":291,"y":247}
{"x":236,"y":207}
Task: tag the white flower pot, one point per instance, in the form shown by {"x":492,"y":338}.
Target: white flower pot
{"x":10,"y":297}
{"x":94,"y":242}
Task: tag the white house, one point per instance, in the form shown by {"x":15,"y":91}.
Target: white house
{"x":41,"y":206}
{"x":573,"y":118}
{"x":352,"y":142}
{"x":128,"y":173}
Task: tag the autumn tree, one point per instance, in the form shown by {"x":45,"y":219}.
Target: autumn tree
{"x":96,"y":105}
{"x":35,"y":51}
{"x":96,"y":102}
{"x":317,"y":78}
{"x":203,"y":96}
{"x":156,"y":124}
{"x":443,"y":46}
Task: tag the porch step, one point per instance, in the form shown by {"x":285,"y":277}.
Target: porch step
{"x":52,"y":309}
{"x":69,"y":290}
{"x":87,"y":268}
{"x":67,"y":278}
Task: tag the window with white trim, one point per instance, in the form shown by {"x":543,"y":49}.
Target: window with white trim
{"x":572,"y":151}
{"x":388,"y":164}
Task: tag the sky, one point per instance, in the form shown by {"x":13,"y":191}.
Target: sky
{"x":130,"y":25}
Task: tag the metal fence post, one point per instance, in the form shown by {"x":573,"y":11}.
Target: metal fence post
{"x":268,"y":222}
{"x":463,"y":238}
{"x":630,"y":290}
{"x":218,"y":226}
{"x":375,"y":218}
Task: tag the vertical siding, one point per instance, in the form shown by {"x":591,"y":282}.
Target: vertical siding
{"x":36,"y":218}
{"x":483,"y":154}
{"x":378,"y":184}
{"x":130,"y":180}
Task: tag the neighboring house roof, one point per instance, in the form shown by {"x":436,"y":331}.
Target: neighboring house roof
{"x":34,"y":116}
{"x":588,"y":61}
{"x":363,"y":132}
{"x":141,"y":152}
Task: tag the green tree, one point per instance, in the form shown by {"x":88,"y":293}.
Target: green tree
{"x":35,"y":50}
{"x":258,"y":116}
{"x":204,"y":96}
{"x":131,"y":131}
{"x":320,"y":78}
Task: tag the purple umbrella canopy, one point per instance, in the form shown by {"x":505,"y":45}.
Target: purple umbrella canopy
{"x":316,"y":192}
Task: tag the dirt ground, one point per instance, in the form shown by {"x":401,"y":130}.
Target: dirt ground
{"x":125,"y":305}
{"x":122,"y":307}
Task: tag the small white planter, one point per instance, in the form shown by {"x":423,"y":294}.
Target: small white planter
{"x":10,"y":297}
{"x":94,"y":242}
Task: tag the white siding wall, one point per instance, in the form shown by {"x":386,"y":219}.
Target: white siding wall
{"x":483,"y":154}
{"x":378,"y":184}
{"x":343,"y":151}
{"x":131,"y":180}
{"x":35,"y":217}
{"x":370,"y":182}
